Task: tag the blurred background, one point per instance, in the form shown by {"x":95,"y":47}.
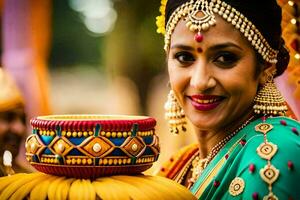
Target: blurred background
{"x":102,"y":57}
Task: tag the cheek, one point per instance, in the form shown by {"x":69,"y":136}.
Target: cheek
{"x":242,"y":80}
{"x":242,"y":88}
{"x":178,"y":79}
{"x":174,"y":75}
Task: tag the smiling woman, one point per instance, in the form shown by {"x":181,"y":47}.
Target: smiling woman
{"x":216,"y":86}
{"x":222,"y":57}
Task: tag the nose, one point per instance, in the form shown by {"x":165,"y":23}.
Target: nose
{"x":202,"y":78}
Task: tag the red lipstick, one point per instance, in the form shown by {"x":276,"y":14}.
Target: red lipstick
{"x":206,"y":102}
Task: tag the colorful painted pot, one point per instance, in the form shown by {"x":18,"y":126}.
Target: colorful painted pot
{"x":90,"y":146}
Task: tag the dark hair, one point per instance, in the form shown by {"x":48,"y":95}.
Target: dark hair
{"x":264,"y":14}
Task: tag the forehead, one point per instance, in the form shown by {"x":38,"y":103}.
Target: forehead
{"x":220,"y":33}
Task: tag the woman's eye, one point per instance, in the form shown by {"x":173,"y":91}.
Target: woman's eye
{"x":226,"y":59}
{"x":184,"y":57}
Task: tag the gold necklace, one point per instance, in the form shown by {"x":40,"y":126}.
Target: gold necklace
{"x":198,"y":165}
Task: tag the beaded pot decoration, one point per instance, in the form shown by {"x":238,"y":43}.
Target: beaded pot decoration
{"x":89,"y":146}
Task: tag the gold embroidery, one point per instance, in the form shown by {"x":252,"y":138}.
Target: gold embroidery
{"x":237,"y":186}
{"x":263,"y":128}
{"x":267,"y":150}
{"x":269,"y":174}
{"x":270,"y":196}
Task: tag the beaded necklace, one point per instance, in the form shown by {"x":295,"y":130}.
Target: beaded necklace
{"x":198,"y":165}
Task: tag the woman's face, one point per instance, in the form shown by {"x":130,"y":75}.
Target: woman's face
{"x":214,"y":80}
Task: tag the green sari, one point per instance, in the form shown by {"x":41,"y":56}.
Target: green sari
{"x":262,"y":161}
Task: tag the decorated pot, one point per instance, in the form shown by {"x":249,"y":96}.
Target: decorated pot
{"x":90,"y":146}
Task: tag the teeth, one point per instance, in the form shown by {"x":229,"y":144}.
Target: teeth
{"x":205,"y":101}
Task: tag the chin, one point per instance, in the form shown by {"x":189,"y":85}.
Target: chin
{"x":204,"y":124}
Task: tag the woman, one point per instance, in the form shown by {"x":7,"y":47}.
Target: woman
{"x":222,"y":56}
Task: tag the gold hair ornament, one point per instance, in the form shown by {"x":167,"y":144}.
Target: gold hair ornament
{"x":189,"y":10}
{"x":203,"y":22}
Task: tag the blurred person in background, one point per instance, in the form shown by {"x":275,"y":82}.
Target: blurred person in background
{"x":12,"y":125}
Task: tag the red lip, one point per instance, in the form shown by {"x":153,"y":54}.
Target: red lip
{"x":205,"y":102}
{"x":206,"y":97}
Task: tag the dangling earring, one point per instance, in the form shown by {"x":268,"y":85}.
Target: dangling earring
{"x":174,"y":114}
{"x":269,"y":100}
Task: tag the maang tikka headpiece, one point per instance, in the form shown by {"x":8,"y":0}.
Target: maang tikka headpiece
{"x":200,"y":16}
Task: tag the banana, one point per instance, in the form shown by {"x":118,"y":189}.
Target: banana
{"x":90,"y":190}
{"x":65,"y":191}
{"x":147,"y":190}
{"x":101,"y":191}
{"x":75,"y":190}
{"x":158,"y":187}
{"x":109,"y":188}
{"x":132,"y":189}
{"x":166,"y":190}
{"x":62,"y":189}
{"x":13,"y":186}
{"x":53,"y":186}
{"x":6,"y":180}
{"x":170,"y":187}
{"x":24,"y":191}
{"x":42,"y":186}
{"x":40,"y":191}
{"x":84,"y":194}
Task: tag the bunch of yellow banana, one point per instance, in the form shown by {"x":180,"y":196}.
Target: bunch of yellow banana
{"x":39,"y":186}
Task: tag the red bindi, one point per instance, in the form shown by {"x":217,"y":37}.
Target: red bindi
{"x":198,"y":37}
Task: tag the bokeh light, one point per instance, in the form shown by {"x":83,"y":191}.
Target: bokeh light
{"x":98,"y":16}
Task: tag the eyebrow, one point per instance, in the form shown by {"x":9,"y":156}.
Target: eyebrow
{"x":224,"y":45}
{"x":212,"y":48}
{"x":181,"y":46}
